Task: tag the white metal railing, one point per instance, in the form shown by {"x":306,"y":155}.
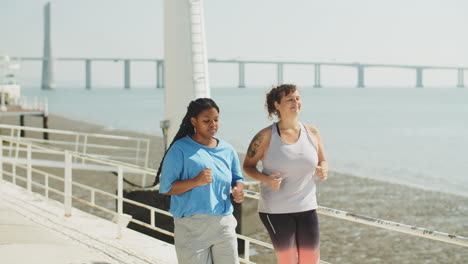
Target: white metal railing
{"x":123,"y":219}
{"x":384,"y":224}
{"x":134,"y":150}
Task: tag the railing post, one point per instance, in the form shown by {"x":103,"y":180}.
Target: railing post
{"x":85,"y":142}
{"x":147,"y":153}
{"x":17,"y":150}
{"x":152,"y":220}
{"x":13,"y":165}
{"x":146,"y":156}
{"x":247,"y":249}
{"x":68,"y":184}
{"x":120,"y":190}
{"x":77,"y":145}
{"x":121,"y":219}
{"x":29,"y":169}
{"x":10,"y":143}
{"x":137,"y":154}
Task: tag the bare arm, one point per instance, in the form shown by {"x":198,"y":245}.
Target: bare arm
{"x":203,"y":178}
{"x":322,"y":168}
{"x":257,"y":148}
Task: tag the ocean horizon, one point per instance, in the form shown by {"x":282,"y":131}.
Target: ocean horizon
{"x":411,"y":136}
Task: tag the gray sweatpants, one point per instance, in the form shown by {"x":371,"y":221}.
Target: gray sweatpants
{"x":206,"y":239}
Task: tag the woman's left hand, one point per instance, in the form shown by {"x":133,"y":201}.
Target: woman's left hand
{"x":238,"y":192}
{"x":322,"y":172}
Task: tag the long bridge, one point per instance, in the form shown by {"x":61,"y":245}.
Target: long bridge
{"x":419,"y":70}
{"x":48,"y":59}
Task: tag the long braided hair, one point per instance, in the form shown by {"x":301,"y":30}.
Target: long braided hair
{"x":186,"y":128}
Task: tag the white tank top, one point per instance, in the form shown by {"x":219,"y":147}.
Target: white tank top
{"x":296,"y":164}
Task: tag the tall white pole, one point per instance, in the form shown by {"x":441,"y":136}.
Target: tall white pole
{"x":47,"y":63}
{"x":185,"y":60}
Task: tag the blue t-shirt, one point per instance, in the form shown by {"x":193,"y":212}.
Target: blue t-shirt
{"x":185,"y":160}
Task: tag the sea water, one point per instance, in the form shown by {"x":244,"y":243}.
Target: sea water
{"x":413,"y":136}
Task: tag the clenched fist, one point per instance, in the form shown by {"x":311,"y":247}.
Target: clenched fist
{"x":274,"y":181}
{"x":321,"y":172}
{"x":238,"y":192}
{"x":204,"y":177}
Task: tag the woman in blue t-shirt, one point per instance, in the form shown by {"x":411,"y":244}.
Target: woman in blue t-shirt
{"x":198,"y":171}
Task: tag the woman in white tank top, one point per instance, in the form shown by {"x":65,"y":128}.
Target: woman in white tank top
{"x":291,"y":154}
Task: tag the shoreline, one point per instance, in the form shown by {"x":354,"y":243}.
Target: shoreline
{"x":343,"y":241}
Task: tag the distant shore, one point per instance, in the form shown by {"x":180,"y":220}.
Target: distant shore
{"x":342,"y":241}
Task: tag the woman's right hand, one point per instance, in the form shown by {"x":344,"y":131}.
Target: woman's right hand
{"x":274,"y":181}
{"x":204,"y":177}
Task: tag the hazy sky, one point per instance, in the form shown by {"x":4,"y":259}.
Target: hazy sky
{"x":428,"y":32}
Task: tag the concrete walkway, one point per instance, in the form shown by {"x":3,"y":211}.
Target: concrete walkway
{"x":33,"y":230}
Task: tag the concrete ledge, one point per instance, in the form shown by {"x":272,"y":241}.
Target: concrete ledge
{"x":95,"y":234}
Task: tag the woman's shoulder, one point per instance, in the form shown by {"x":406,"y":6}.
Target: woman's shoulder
{"x":314,"y":133}
{"x":266,"y":131}
{"x":312,"y":129}
{"x":181,"y":143}
{"x":262,"y":138}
